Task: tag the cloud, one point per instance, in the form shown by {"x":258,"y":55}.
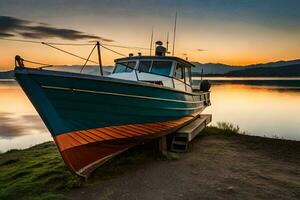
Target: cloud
{"x":11,"y":127}
{"x":3,"y":35}
{"x":10,"y":26}
{"x":10,"y":131}
{"x":10,"y":23}
{"x":200,"y":49}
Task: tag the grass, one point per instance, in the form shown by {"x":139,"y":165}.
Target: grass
{"x":40,"y":173}
{"x":223,"y":128}
{"x":35,"y":173}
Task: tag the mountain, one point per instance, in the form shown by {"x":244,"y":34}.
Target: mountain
{"x":211,"y":68}
{"x":276,"y":64}
{"x":283,"y":71}
{"x":221,"y":69}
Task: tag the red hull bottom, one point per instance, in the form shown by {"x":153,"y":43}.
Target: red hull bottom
{"x":83,"y":151}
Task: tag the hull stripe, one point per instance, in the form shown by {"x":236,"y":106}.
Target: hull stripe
{"x":120,"y":94}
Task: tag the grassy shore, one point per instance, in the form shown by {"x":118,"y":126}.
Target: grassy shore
{"x":35,"y":173}
{"x":39,"y":172}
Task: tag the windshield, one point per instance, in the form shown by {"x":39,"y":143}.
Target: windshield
{"x":161,"y":67}
{"x":124,"y":67}
{"x":145,"y":66}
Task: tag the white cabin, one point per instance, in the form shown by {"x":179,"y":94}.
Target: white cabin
{"x":166,"y":71}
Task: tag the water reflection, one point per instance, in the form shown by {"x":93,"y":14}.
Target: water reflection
{"x":20,"y":125}
{"x":15,"y":125}
{"x":258,"y":111}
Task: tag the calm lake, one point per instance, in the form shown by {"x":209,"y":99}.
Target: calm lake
{"x":264,"y":107}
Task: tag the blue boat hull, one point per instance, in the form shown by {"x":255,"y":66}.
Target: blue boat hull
{"x":74,"y":107}
{"x":68,"y":103}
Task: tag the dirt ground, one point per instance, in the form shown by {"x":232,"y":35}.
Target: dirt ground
{"x":215,"y":167}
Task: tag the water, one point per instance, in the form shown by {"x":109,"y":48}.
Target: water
{"x":20,"y":125}
{"x":249,"y":78}
{"x":257,"y":109}
{"x":263,"y":111}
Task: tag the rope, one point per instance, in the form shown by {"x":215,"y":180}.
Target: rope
{"x":88,"y":58}
{"x":50,"y":44}
{"x":112,"y":50}
{"x":75,"y":44}
{"x":72,"y":54}
{"x":18,"y":40}
{"x":70,"y":44}
{"x":37,"y":63}
{"x":127,"y":47}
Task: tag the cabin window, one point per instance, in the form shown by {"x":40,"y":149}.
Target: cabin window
{"x":124,"y":67}
{"x":130,"y":66}
{"x":187,"y":75}
{"x":144,"y":66}
{"x":179,"y":73}
{"x":161,"y":67}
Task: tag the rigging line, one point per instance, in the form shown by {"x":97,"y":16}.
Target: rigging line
{"x":37,"y":42}
{"x":112,"y":50}
{"x":126,"y":47}
{"x":88,"y":58}
{"x":68,"y":52}
{"x":74,"y":44}
{"x":70,"y":44}
{"x":19,"y":40}
{"x":37,"y":63}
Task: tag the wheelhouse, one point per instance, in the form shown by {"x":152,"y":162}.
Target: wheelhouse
{"x":166,"y":71}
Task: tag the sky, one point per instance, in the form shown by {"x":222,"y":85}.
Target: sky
{"x":235,"y":32}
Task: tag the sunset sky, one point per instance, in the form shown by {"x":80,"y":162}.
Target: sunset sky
{"x":236,"y":32}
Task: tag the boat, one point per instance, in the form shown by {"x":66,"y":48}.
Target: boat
{"x":92,"y":118}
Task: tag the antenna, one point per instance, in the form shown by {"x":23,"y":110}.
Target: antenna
{"x":174,"y":36}
{"x":151,"y":41}
{"x":167,"y":41}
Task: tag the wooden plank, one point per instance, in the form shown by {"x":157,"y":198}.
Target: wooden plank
{"x":192,"y":129}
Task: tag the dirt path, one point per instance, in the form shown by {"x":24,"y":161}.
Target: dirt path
{"x":216,"y":167}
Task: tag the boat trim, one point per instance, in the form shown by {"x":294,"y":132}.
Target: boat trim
{"x":119,"y":94}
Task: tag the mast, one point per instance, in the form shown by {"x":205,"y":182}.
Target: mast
{"x":151,"y":41}
{"x":99,"y":58}
{"x":174,"y":36}
{"x":167,"y":41}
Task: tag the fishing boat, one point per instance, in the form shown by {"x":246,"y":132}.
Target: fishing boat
{"x":93,"y":118}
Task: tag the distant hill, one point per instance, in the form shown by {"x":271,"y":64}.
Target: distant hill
{"x":283,"y":71}
{"x":211,"y":68}
{"x":276,"y":64}
{"x":218,"y":69}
